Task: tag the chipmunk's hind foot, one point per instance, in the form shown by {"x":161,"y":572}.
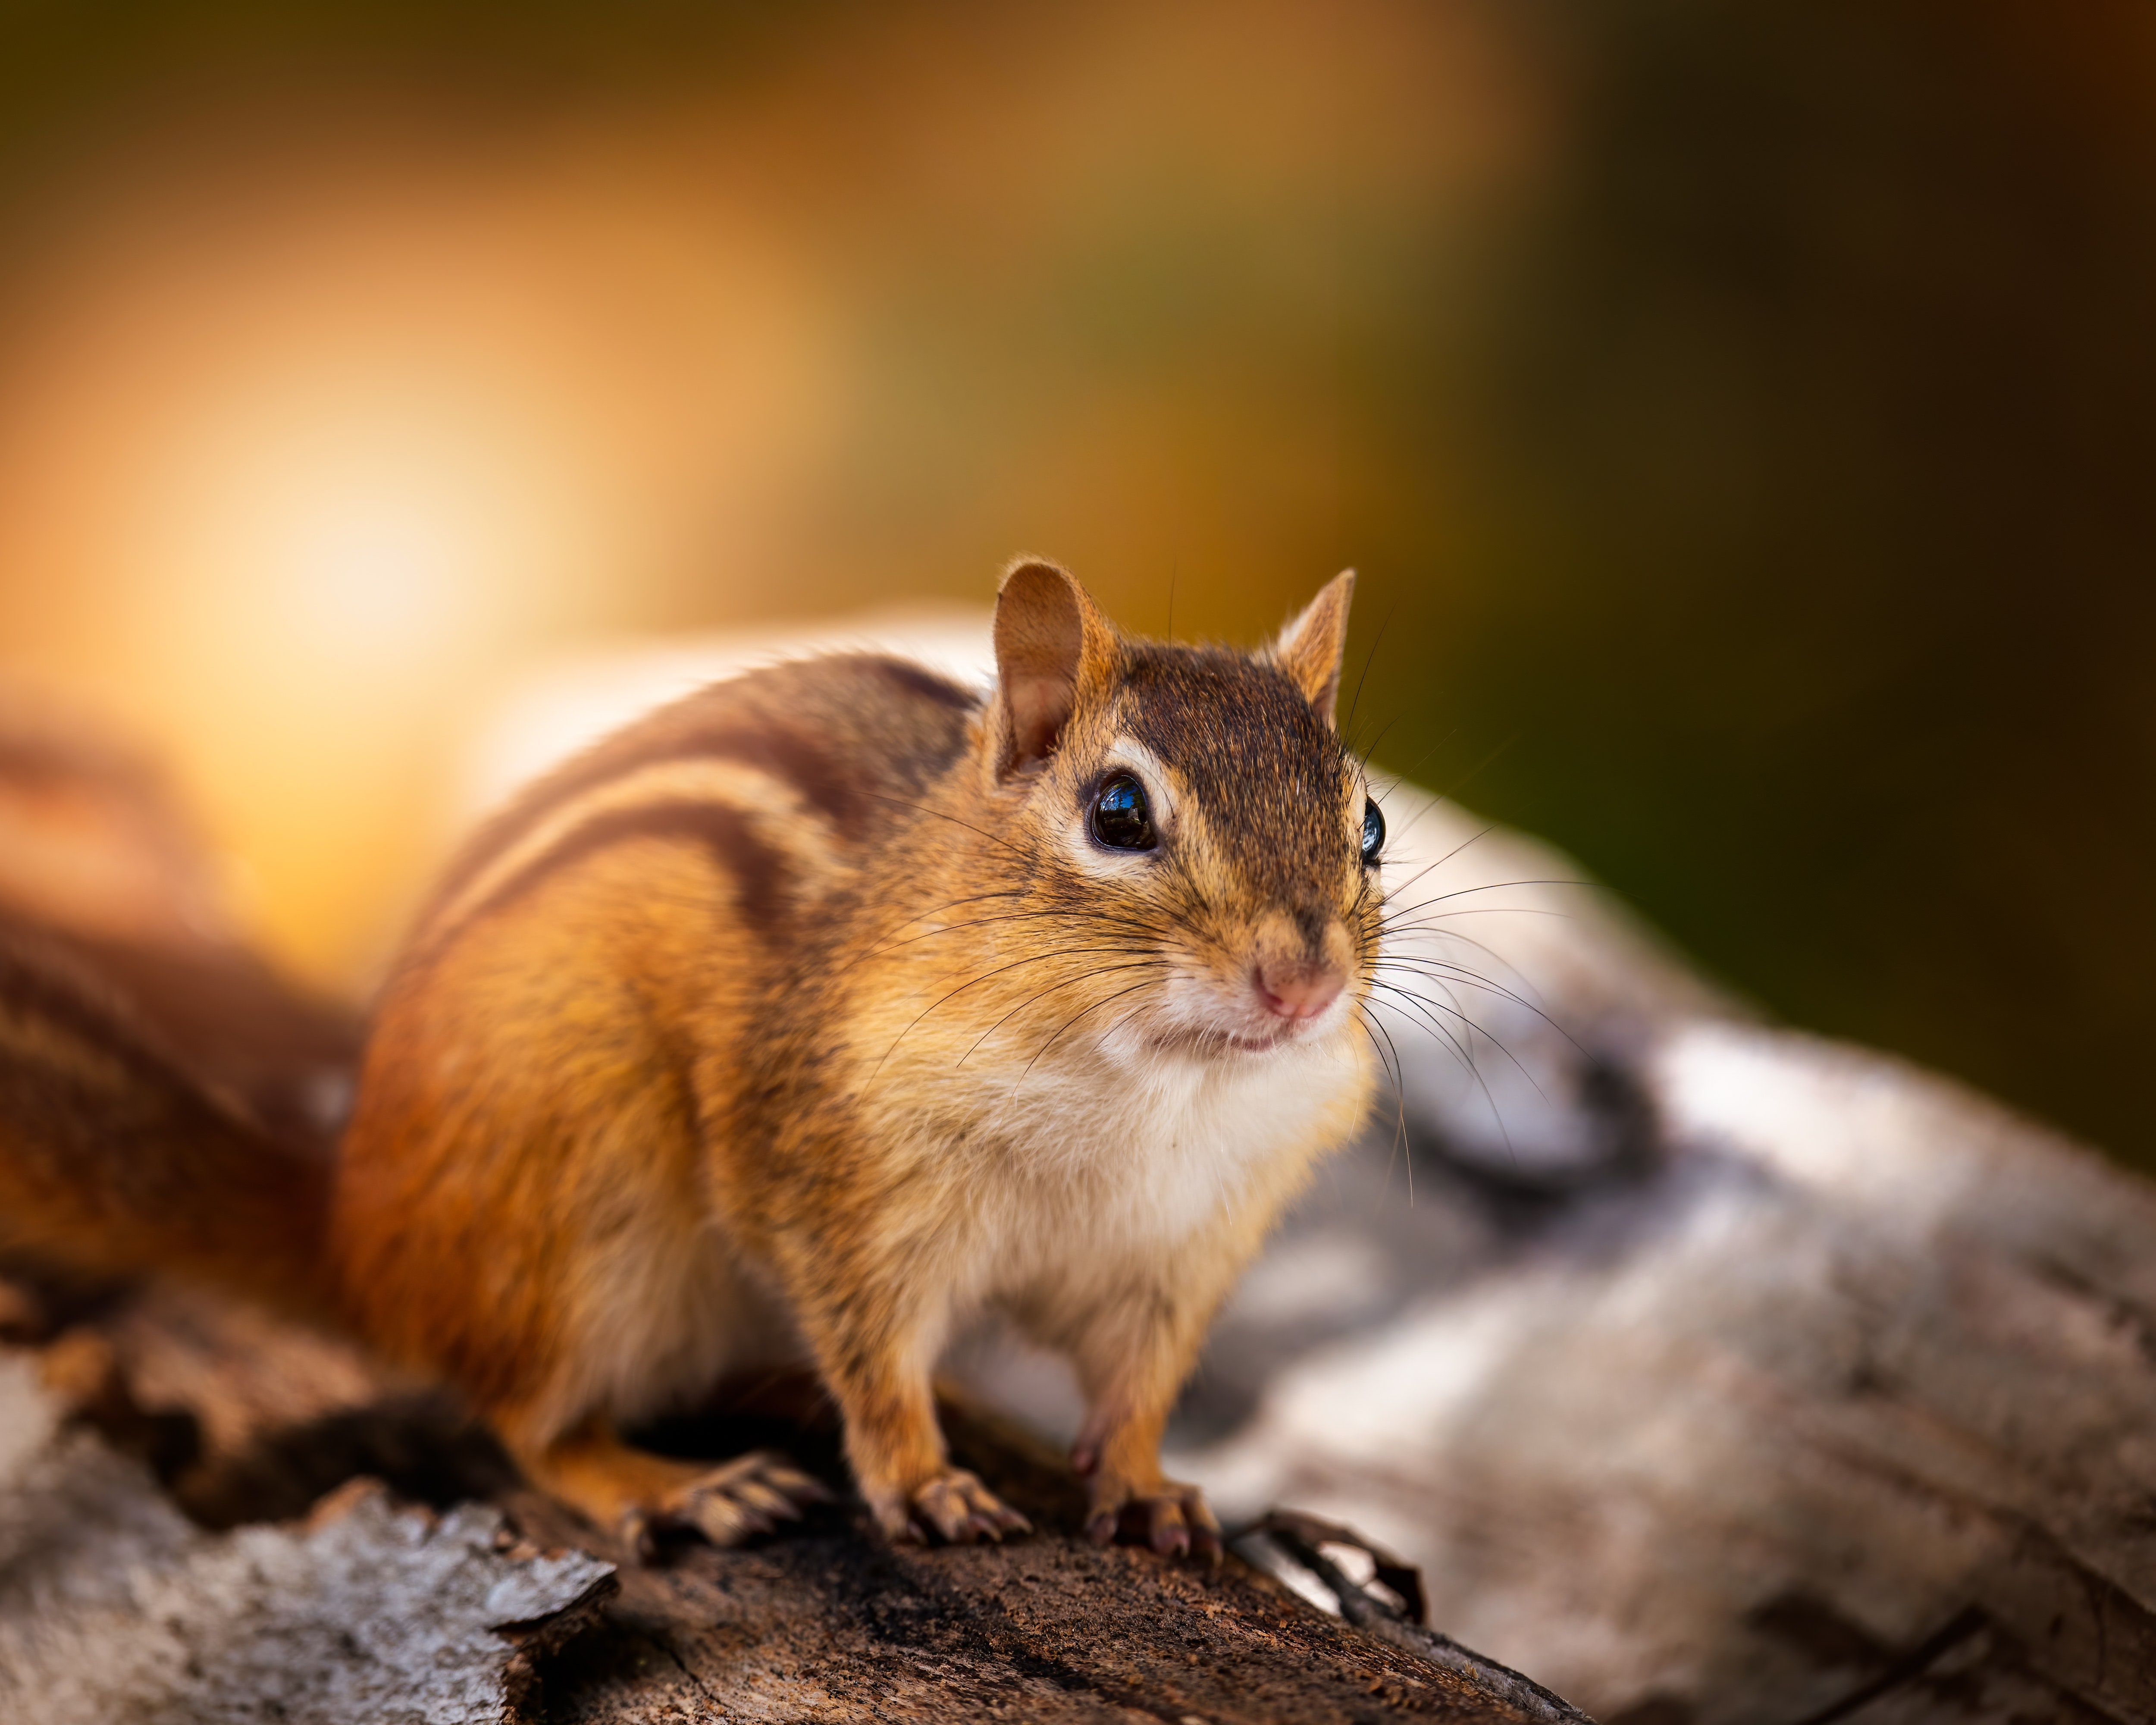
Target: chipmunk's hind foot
{"x":1175,"y":1521}
{"x":643,"y":1496}
{"x":750,"y":1495}
{"x":955,"y":1508}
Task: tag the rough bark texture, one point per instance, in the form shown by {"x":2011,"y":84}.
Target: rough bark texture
{"x":114,"y":1605}
{"x":830,"y":1627}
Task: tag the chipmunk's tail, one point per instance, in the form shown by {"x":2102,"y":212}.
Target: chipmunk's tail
{"x":115,"y":1160}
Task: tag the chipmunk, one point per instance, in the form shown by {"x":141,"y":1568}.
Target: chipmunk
{"x":819,"y":1011}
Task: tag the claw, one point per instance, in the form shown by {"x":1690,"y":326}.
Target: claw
{"x":1174,"y":1522}
{"x":636,"y":1534}
{"x":755,"y":1495}
{"x":797,"y":1486}
{"x":721,"y":1520}
{"x":955,"y":1508}
{"x":750,"y":1496}
{"x":1204,"y":1528}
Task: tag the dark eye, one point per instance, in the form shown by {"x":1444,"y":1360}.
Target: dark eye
{"x":1374,"y":832}
{"x":1121,"y":819}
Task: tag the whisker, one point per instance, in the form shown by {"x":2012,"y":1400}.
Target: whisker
{"x":1437,"y":970}
{"x":1106,"y":970}
{"x":1476,"y":770}
{"x":878,"y":946}
{"x":1466,"y":940}
{"x":1464,"y":1054}
{"x":1476,"y":838}
{"x":1449,"y":793}
{"x":1382,"y":730}
{"x":1389,"y":1063}
{"x":1401,"y":778}
{"x":1415,"y":820}
{"x":1417,"y":925}
{"x":1471,"y":979}
{"x":1354,"y":700}
{"x":1487,"y":887}
{"x":1399,"y":1135}
{"x":1400,"y":1098}
{"x":1066,"y":1025}
{"x":1427,"y":1006}
{"x":1124,"y":1020}
{"x":923,"y":809}
{"x":1139,"y":930}
{"x":1015,"y":964}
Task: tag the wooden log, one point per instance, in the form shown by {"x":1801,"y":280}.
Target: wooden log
{"x":113,"y":1605}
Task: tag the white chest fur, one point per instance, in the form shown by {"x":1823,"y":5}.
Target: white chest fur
{"x":1102,"y":1161}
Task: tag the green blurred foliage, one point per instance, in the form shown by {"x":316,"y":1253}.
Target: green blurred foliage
{"x":1817,"y":581}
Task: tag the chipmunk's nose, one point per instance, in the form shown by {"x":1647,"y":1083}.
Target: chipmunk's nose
{"x":1297,"y":990}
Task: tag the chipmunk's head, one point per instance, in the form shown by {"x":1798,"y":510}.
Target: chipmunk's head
{"x":1199,"y":834}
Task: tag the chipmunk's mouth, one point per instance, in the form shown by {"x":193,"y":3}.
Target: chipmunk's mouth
{"x":1219,"y":1045}
{"x":1261,"y":1045}
{"x":1203,"y":1017}
{"x":1224,"y":1043}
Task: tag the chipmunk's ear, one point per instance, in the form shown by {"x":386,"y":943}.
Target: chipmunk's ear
{"x":1311,"y":647}
{"x":1054,"y":649}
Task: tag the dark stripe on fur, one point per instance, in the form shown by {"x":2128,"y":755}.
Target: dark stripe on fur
{"x":680,"y":732}
{"x":120,"y":1161}
{"x":919,"y":680}
{"x":758,"y":871}
{"x":41,"y":981}
{"x":822,"y":784}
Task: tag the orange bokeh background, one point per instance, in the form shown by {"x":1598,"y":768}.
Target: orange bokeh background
{"x":313,"y":430}
{"x":1739,"y":417}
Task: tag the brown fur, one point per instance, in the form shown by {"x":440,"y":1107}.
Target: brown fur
{"x":804,"y":1017}
{"x":97,"y":858}
{"x":114,"y":1155}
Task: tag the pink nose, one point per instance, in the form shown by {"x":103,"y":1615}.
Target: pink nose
{"x":1298,"y":992}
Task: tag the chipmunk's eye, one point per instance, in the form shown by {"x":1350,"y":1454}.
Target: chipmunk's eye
{"x":1120,"y":819}
{"x":1374,"y":832}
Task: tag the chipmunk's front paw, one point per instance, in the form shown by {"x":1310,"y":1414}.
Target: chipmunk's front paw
{"x":1173,"y":1518}
{"x":752,"y":1494}
{"x":954,"y":1507}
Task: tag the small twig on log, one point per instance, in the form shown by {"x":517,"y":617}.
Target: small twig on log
{"x":1297,"y":1537}
{"x":1395,"y":1574}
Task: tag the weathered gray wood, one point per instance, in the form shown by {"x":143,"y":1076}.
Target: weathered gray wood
{"x":113,"y":1606}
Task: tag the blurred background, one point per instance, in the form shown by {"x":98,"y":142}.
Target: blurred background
{"x":1739,"y":414}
